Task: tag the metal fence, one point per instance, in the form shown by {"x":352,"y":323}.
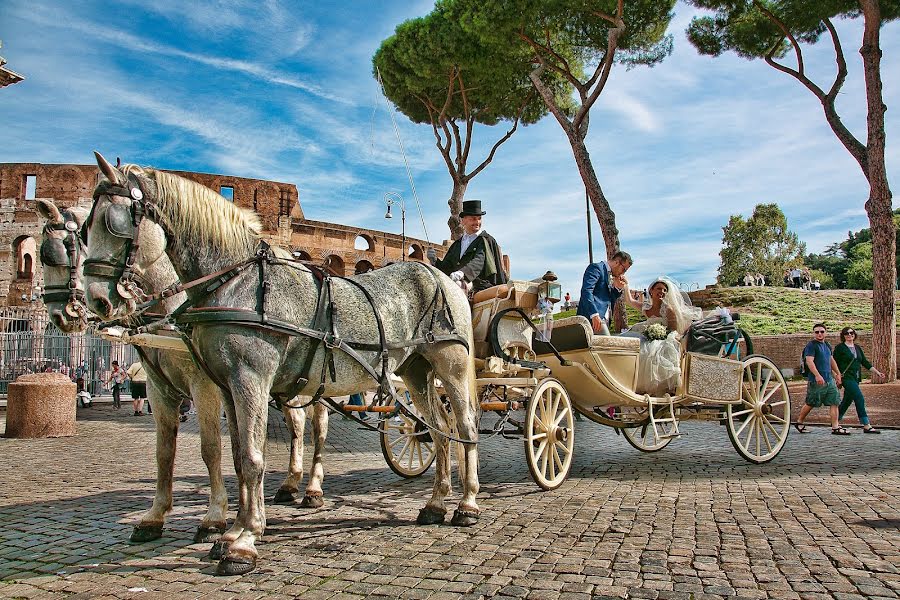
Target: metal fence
{"x":30,"y":343}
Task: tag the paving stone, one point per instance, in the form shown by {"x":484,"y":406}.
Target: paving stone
{"x":691,"y":521}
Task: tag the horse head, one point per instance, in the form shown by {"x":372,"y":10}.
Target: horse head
{"x":121,"y":243}
{"x":62,"y":255}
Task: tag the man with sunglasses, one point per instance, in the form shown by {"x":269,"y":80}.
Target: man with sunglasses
{"x":821,"y":374}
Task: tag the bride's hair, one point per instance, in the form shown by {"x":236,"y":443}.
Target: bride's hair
{"x":679,"y":302}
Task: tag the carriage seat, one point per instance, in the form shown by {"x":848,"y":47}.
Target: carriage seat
{"x":575,"y":333}
{"x":491,"y":293}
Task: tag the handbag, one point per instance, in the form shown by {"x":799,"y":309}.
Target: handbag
{"x":844,"y":372}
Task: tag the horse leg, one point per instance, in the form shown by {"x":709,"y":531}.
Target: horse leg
{"x":417,"y":377}
{"x":314,"y":497}
{"x":218,"y":548}
{"x":459,"y":383}
{"x":208,"y":400}
{"x":166,"y":416}
{"x":295,"y":418}
{"x":252,"y":416}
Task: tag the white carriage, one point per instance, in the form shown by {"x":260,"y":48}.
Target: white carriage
{"x":596,"y":376}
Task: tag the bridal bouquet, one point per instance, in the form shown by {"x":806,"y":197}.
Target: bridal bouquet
{"x":657,"y":331}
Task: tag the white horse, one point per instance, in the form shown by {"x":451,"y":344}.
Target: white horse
{"x":170,"y":374}
{"x":260,"y":326}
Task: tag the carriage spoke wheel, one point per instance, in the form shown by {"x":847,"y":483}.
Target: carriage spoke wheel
{"x":549,"y":434}
{"x":758,"y":426}
{"x":645,"y":438}
{"x":406,"y":445}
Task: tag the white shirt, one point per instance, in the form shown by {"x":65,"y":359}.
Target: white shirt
{"x":466,"y":240}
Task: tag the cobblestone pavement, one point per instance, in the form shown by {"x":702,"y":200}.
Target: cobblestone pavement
{"x":692,"y":521}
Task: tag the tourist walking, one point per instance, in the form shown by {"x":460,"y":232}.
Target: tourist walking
{"x":138,"y":377}
{"x":849,"y":358}
{"x":821,"y":374}
{"x":116,"y":378}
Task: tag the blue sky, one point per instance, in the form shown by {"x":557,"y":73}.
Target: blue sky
{"x":284,"y":91}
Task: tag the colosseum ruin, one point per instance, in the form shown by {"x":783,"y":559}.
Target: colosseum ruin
{"x":342,"y":249}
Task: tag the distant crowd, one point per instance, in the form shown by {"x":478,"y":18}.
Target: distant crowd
{"x":793,"y":278}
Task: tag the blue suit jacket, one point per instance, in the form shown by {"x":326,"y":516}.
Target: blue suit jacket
{"x":597,"y":292}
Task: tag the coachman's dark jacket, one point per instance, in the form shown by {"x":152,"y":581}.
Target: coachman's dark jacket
{"x":481,"y":264}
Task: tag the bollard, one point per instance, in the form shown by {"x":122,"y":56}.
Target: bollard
{"x":40,"y":405}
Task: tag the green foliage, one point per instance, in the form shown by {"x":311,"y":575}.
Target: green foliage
{"x":431,"y":59}
{"x":860,"y":273}
{"x":760,"y":244}
{"x":743,"y":27}
{"x":826,"y":282}
{"x":840,"y":258}
{"x":574,"y":33}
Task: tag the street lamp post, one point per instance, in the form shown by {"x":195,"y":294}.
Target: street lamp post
{"x":392,"y":198}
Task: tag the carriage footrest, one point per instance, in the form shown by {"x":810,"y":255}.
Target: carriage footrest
{"x":655,"y":421}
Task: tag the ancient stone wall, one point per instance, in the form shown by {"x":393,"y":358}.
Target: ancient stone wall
{"x":277,"y":204}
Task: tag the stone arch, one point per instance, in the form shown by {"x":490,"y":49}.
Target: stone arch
{"x":415,"y":252}
{"x":301,"y":254}
{"x":335,"y":264}
{"x":24,"y":249}
{"x":363,"y":266}
{"x":364,"y":241}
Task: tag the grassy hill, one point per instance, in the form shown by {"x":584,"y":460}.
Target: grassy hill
{"x":777,"y":310}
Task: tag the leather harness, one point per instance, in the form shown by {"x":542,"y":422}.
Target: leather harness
{"x":322,"y":330}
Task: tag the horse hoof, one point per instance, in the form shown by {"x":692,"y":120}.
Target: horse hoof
{"x":145,"y":533}
{"x":236,"y":565}
{"x":207,"y":535}
{"x":285,"y":496}
{"x":312,"y":502}
{"x":218,"y":550}
{"x":430,"y":516}
{"x":464,"y":518}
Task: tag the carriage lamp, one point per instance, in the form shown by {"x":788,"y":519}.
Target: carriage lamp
{"x":549,"y":289}
{"x":392,"y":198}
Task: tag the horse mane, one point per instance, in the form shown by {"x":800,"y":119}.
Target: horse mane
{"x":201,"y":216}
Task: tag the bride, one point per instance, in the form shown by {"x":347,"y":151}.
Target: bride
{"x":659,"y":363}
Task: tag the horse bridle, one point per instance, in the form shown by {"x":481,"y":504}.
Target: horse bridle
{"x":112,"y":268}
{"x":76,"y":302}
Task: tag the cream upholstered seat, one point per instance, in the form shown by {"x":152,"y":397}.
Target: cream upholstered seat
{"x":575,"y":333}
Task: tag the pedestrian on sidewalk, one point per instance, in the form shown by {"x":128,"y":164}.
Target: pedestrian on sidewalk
{"x":821,"y":374}
{"x":116,"y":378}
{"x":849,"y":358}
{"x":138,"y":377}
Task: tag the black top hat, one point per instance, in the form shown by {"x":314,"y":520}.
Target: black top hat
{"x":471,"y":208}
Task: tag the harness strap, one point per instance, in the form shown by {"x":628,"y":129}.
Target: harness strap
{"x":158,"y":373}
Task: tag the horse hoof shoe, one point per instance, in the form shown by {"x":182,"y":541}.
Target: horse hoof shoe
{"x":235,"y":565}
{"x":145,"y":533}
{"x":429,"y":516}
{"x":312,"y":502}
{"x":283,"y":496}
{"x":208,"y":535}
{"x":218,"y":550}
{"x":462,"y":518}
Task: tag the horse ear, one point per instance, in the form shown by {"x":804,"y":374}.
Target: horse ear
{"x":107,"y":169}
{"x":48,"y":210}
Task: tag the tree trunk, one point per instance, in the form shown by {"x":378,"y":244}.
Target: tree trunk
{"x":878,"y":206}
{"x":455,"y":202}
{"x":605,"y":215}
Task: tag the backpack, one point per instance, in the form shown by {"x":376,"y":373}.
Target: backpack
{"x":804,"y":371}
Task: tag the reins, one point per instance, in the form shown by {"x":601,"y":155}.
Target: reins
{"x":323,"y":329}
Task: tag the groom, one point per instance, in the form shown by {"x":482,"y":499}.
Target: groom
{"x":602,"y":285}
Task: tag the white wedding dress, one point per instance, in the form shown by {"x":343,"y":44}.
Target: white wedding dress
{"x":659,"y":361}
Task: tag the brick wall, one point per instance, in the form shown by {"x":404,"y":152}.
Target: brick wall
{"x":785,"y":350}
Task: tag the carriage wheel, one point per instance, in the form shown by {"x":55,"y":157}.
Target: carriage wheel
{"x":549,"y":434}
{"x":759,"y":425}
{"x":645,"y":439}
{"x":406,"y":445}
